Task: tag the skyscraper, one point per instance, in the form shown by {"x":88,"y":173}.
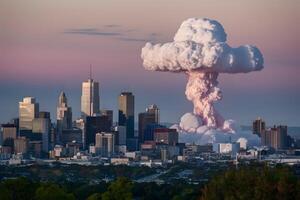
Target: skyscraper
{"x":90,"y":98}
{"x":63,"y":116}
{"x":42,"y":129}
{"x":64,"y":113}
{"x":150,"y":117}
{"x":258,"y":126}
{"x":126,"y":113}
{"x":153,"y":109}
{"x":28,"y":110}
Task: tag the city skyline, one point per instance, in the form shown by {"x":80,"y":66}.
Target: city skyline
{"x":57,"y":51}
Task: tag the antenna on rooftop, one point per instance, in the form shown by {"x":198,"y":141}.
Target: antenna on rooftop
{"x":90,"y":71}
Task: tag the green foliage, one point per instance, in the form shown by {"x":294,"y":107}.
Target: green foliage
{"x":52,"y":191}
{"x":17,"y":189}
{"x":252,"y":183}
{"x":121,"y":189}
{"x":176,"y":190}
{"x":95,"y":196}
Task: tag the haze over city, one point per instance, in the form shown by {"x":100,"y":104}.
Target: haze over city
{"x":46,"y":48}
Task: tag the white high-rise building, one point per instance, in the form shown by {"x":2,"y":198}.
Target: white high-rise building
{"x":64,"y":113}
{"x":28,"y":110}
{"x":90,"y":98}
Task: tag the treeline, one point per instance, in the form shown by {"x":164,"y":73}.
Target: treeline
{"x":246,"y":183}
{"x":120,"y":189}
{"x":253,"y":183}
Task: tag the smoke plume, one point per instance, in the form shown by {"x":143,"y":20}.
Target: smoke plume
{"x":200,"y":51}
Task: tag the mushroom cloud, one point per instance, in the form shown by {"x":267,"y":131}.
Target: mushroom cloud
{"x":200,"y":51}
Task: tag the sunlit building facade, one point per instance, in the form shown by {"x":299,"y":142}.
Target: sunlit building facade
{"x":90,"y":98}
{"x":28,"y":110}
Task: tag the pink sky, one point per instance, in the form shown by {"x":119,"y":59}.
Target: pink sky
{"x":34,"y":48}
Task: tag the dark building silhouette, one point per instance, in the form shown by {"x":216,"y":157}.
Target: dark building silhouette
{"x":126,"y":113}
{"x":144,"y":120}
{"x":149,"y":131}
{"x":166,"y":136}
{"x":93,"y":125}
{"x":41,"y":130}
{"x":258,"y":126}
{"x":150,"y":117}
{"x":109,"y":114}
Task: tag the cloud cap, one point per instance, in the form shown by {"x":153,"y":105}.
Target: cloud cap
{"x":200,"y":45}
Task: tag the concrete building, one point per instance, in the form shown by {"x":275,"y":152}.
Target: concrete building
{"x":126,"y":113}
{"x":258,"y":126}
{"x":243,"y":143}
{"x":275,"y":137}
{"x":166,"y":136}
{"x":90,"y":98}
{"x":28,"y":110}
{"x":105,"y":144}
{"x":8,"y":131}
{"x":21,"y":145}
{"x":227,"y":148}
{"x":41,"y":130}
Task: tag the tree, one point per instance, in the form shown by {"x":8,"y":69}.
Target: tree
{"x":95,"y":196}
{"x":252,"y":183}
{"x":17,"y":189}
{"x":121,"y":189}
{"x":52,"y":191}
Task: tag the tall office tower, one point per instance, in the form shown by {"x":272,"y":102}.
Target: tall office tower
{"x":90,"y":98}
{"x":93,"y":125}
{"x":153,"y":109}
{"x":258,"y":126}
{"x":105,"y":144}
{"x":166,"y":136}
{"x":126,"y":113}
{"x":64,"y":113}
{"x":41,"y":130}
{"x":109,"y":114}
{"x":151,"y":116}
{"x":28,"y":110}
